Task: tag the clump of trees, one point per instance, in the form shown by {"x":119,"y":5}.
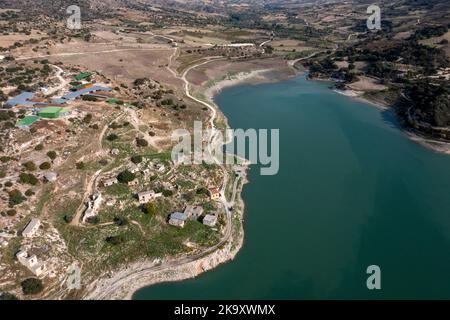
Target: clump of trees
{"x":126,"y":176}
{"x":28,"y":178}
{"x":16,"y":197}
{"x":430,"y":102}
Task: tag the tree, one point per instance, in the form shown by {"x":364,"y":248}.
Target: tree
{"x":120,"y":221}
{"x":149,"y":208}
{"x":125,"y":176}
{"x":112,"y":137}
{"x":52,"y":155}
{"x":136,"y":159}
{"x":32,"y":286}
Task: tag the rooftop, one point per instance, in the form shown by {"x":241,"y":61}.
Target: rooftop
{"x":21,"y":99}
{"x":178,"y":216}
{"x":27,"y":121}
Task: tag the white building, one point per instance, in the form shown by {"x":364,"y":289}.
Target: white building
{"x":50,"y":176}
{"x":147,"y":196}
{"x":110,"y":182}
{"x":178,"y":219}
{"x":210,"y":220}
{"x":214,"y":193}
{"x":134,"y":182}
{"x":31,"y":228}
{"x":93,"y":206}
{"x":31,"y":262}
{"x":133,"y":168}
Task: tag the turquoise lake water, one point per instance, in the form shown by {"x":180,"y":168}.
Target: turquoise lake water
{"x":352,"y":191}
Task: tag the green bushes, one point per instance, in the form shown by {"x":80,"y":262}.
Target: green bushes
{"x":16,"y":197}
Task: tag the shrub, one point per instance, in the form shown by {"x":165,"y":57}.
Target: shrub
{"x":16,"y":197}
{"x":29,"y":193}
{"x":112,"y":137}
{"x":136,"y":159}
{"x":11,"y":212}
{"x":2,"y":174}
{"x":39,"y":147}
{"x":32,"y":286}
{"x":7,"y":296}
{"x":93,"y":220}
{"x":30,"y":166}
{"x":114,"y":240}
{"x":28,"y":178}
{"x":149,"y":208}
{"x":89,"y":98}
{"x":141,"y":142}
{"x":5,"y":159}
{"x":45,"y":166}
{"x":120,"y":221}
{"x":80,"y":165}
{"x":87,"y":118}
{"x":68,"y":218}
{"x":52,"y":155}
{"x":202,"y":191}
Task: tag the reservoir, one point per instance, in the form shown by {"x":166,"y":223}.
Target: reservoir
{"x":352,"y":191}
